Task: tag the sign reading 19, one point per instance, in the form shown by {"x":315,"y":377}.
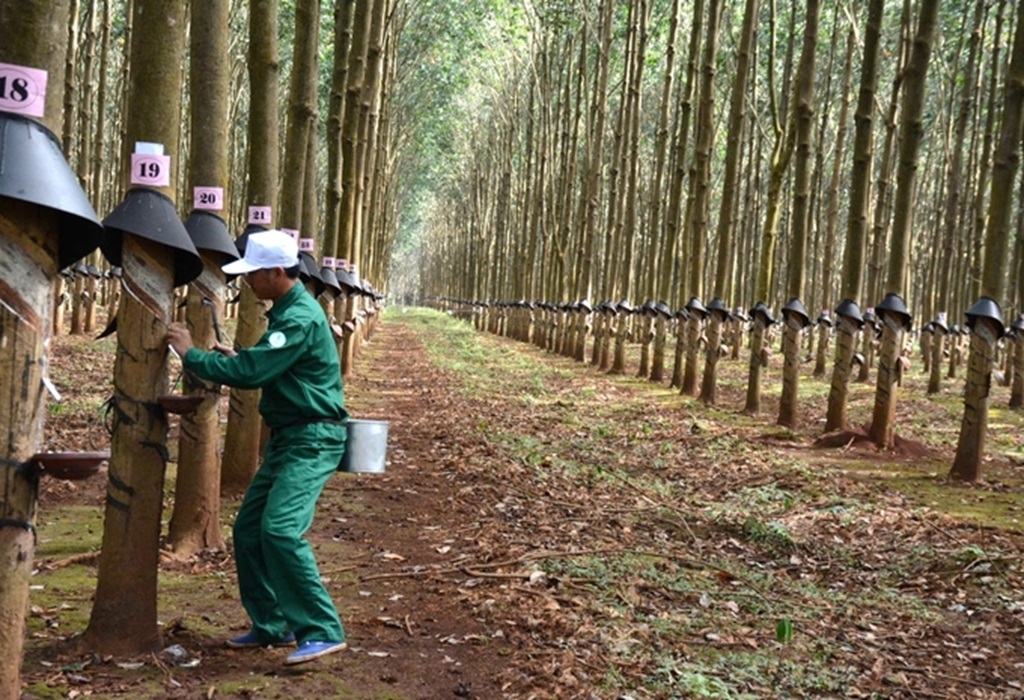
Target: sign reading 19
{"x":150,"y":169}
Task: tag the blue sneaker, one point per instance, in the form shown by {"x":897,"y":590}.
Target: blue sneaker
{"x":250,"y":640}
{"x":308,"y":651}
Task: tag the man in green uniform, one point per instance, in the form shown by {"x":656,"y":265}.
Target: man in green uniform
{"x":296,"y":365}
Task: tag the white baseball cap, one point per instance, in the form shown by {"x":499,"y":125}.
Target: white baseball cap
{"x":265,"y":250}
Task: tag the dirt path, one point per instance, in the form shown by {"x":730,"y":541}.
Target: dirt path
{"x":386,"y":524}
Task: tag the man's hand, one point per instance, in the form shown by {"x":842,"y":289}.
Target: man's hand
{"x":224,"y":349}
{"x":179,"y":339}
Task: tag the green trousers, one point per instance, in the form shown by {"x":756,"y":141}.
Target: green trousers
{"x":278,"y":579}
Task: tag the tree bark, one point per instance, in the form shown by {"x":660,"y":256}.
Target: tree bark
{"x":195,"y":523}
{"x":846,"y":339}
{"x":124,"y":614}
{"x":242,"y":442}
{"x":971,"y":445}
{"x":753,"y":404}
{"x":698,"y":224}
{"x":27,"y":234}
{"x":803,"y":128}
{"x":911,"y":133}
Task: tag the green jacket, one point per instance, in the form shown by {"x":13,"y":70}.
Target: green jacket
{"x":295,"y":363}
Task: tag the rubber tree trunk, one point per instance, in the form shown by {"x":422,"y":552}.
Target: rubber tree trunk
{"x":757,"y":363}
{"x":974,"y":426}
{"x":938,"y":347}
{"x":241,"y":444}
{"x":658,"y":354}
{"x":954,"y":356}
{"x":612,"y":327}
{"x":709,"y":383}
{"x":619,"y":356}
{"x":124,"y":613}
{"x":27,"y":269}
{"x":927,"y":338}
{"x":868,"y":353}
{"x":91,"y":301}
{"x":883,"y":418}
{"x":33,"y":33}
{"x":790,"y":371}
{"x":59,"y":295}
{"x":600,"y":324}
{"x":846,"y":340}
{"x":689,"y":386}
{"x":646,"y":336}
{"x":78,"y":305}
{"x":998,"y":236}
{"x":1017,"y":383}
{"x":242,"y":441}
{"x":820,"y":360}
{"x":680,"y":350}
{"x":195,"y":523}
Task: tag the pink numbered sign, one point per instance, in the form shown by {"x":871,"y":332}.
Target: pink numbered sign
{"x":294,"y":233}
{"x":259,"y":215}
{"x":328,"y":263}
{"x":306,"y":244}
{"x":211,"y":198}
{"x":342,"y":264}
{"x":22,"y":90}
{"x":152,"y":170}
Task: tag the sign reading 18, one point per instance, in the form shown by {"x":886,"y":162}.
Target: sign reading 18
{"x":15,"y":89}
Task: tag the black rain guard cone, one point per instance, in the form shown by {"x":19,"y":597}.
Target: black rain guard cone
{"x":848,"y":308}
{"x":1018,"y":324}
{"x":696,"y":307}
{"x":244,"y":236}
{"x":796,"y":307}
{"x":33,"y":170}
{"x":330,"y":280}
{"x":308,"y":271}
{"x":663,"y":309}
{"x":717,"y":307}
{"x":346,"y":281}
{"x":762,"y":311}
{"x":209,"y":232}
{"x":893,"y":304}
{"x":151,"y":215}
{"x":986,"y":307}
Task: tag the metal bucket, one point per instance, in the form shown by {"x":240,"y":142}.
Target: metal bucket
{"x":365,"y":447}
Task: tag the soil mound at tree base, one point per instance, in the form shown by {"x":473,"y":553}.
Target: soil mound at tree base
{"x":861,"y":438}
